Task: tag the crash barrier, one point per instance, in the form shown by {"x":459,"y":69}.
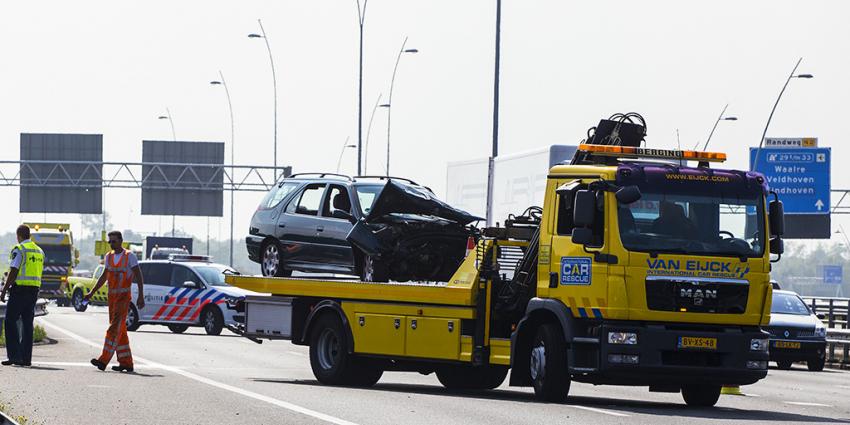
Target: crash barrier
{"x":838,"y":341}
{"x":834,"y":310}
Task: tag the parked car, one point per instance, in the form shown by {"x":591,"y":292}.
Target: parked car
{"x":187,"y":290}
{"x":796,"y":333}
{"x":376,"y":228}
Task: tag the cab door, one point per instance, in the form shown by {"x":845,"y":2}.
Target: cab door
{"x":577,"y":277}
{"x":158,"y":290}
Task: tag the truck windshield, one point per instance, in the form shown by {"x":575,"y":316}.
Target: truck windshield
{"x":56,"y":255}
{"x":691,"y":224}
{"x":213,"y":274}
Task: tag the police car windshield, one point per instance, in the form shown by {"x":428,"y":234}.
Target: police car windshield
{"x":56,"y":255}
{"x":213,"y":274}
{"x":721,"y":225}
{"x":788,"y":304}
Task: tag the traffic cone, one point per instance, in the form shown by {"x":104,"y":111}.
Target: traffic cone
{"x":731,"y":390}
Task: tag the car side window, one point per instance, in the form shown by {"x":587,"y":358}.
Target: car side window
{"x":180,"y":274}
{"x":276,"y":195}
{"x":336,"y":198}
{"x":157,"y":274}
{"x":308,"y":201}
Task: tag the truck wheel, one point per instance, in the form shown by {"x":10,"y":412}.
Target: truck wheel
{"x":548,"y":364}
{"x":816,"y":365}
{"x":178,"y":329}
{"x":271,"y":261}
{"x":456,"y":377}
{"x":784,"y":364}
{"x":212,"y":320}
{"x":329,"y":357}
{"x":701,"y":395}
{"x":77,"y":301}
{"x":132,"y":318}
{"x":373,"y":270}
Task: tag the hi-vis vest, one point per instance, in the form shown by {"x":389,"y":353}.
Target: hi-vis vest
{"x":31,"y":265}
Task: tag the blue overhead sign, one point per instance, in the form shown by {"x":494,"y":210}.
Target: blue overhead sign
{"x":800,"y":176}
{"x":833,"y":274}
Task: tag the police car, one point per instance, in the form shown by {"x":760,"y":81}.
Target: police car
{"x":183,"y":291}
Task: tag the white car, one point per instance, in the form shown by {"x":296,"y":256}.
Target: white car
{"x":183,"y":291}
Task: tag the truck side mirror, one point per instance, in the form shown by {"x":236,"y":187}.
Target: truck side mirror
{"x":582,"y":236}
{"x":776,"y":215}
{"x":584,"y":209}
{"x":628,"y":194}
{"x":777,"y":246}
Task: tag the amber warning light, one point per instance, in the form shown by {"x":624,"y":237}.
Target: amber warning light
{"x":635,"y":152}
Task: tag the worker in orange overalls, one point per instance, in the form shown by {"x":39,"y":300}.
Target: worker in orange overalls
{"x":121,"y":267}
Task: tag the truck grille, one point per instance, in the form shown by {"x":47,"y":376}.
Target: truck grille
{"x":697,"y":296}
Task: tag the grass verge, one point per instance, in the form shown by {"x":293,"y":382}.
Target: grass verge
{"x":38,"y":334}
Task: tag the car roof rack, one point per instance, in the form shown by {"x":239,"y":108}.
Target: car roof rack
{"x":388,"y":178}
{"x":321,"y":175}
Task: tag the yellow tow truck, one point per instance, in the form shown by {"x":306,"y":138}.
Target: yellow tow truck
{"x":640,"y":269}
{"x":60,"y":258}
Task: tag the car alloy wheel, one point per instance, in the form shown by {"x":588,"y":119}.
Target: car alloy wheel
{"x":271,"y":259}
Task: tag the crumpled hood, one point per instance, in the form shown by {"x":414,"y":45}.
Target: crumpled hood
{"x":399,"y":198}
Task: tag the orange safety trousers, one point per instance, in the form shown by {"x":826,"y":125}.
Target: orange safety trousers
{"x":119,"y":277}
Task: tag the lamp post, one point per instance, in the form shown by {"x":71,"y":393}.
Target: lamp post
{"x":369,"y":133}
{"x":389,"y":103}
{"x":361,"y":20}
{"x":223,"y":83}
{"x":274,"y":87}
{"x":495,"y":152}
{"x":342,"y":151}
{"x":767,"y":125}
{"x":167,"y":116}
{"x":719,"y":118}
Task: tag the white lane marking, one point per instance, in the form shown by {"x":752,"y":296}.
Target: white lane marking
{"x":99,"y":386}
{"x":604,"y":412}
{"x":250,"y":394}
{"x":803,"y":403}
{"x":81,"y":364}
{"x":845,"y":387}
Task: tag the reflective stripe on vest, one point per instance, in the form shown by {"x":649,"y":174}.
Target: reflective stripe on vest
{"x":32,"y":265}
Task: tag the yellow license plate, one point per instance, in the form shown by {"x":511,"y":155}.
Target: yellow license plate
{"x":787,"y":344}
{"x":697,"y":342}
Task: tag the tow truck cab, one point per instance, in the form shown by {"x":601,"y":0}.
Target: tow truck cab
{"x":657,"y":273}
{"x":60,"y":258}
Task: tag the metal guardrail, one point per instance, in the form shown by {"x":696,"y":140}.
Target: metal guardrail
{"x":834,"y":310}
{"x":835,"y":339}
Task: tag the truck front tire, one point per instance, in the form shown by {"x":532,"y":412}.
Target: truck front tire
{"x":548,"y":364}
{"x":701,"y":395}
{"x":330,"y":359}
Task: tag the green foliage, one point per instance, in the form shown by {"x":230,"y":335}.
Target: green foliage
{"x":38,"y":335}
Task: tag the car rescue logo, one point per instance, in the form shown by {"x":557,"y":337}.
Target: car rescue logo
{"x":575,"y":270}
{"x":697,"y":268}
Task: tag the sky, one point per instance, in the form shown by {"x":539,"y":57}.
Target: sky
{"x":112,"y":68}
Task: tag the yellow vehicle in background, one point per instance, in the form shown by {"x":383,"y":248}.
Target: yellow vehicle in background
{"x":79,"y":286}
{"x":636,"y":271}
{"x":60,"y":258}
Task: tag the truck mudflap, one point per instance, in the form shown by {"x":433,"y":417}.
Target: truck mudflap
{"x":671,"y":354}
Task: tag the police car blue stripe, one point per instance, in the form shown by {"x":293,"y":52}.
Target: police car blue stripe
{"x":195,"y":295}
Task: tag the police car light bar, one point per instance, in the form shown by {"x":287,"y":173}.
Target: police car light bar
{"x":188,"y":257}
{"x":634,"y":152}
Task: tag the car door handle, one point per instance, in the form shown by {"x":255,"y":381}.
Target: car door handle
{"x":281,"y":225}
{"x":320,"y":228}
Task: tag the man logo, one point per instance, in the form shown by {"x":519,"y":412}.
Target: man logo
{"x":698,"y":295}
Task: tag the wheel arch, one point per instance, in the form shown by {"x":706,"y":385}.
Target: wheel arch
{"x":320,"y":309}
{"x":538,"y":312}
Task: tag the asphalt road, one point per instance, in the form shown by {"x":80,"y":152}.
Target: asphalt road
{"x":198,"y":379}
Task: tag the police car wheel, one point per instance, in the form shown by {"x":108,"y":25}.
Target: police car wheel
{"x":77,"y":301}
{"x":212,"y":320}
{"x":178,"y":329}
{"x":701,"y":395}
{"x":548,"y":364}
{"x":784,"y":364}
{"x":132,"y":318}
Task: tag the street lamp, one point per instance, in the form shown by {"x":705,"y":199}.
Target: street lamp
{"x":719,"y":118}
{"x":389,"y":103}
{"x":167,"y":116}
{"x":361,"y":20}
{"x":223,"y":83}
{"x":274,"y":87}
{"x":342,"y":151}
{"x":767,"y":125}
{"x":369,"y":133}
